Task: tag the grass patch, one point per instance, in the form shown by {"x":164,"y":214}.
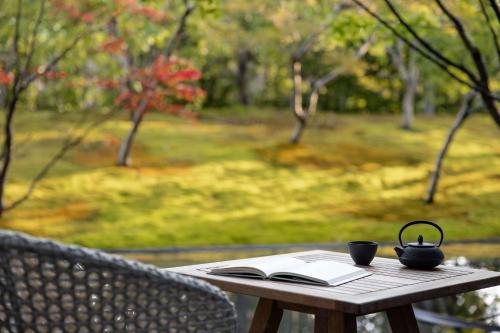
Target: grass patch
{"x":232,"y":179}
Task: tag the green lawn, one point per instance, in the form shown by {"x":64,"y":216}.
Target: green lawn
{"x":232,"y":179}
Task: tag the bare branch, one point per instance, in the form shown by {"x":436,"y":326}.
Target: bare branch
{"x":425,"y":53}
{"x":307,"y":43}
{"x":20,"y":147}
{"x":478,"y":61}
{"x":297,"y":104}
{"x":297,"y":107}
{"x":411,"y":44}
{"x":459,"y":28}
{"x":32,"y":47}
{"x":302,"y":114}
{"x":324,"y":80}
{"x":7,"y":144}
{"x":496,"y":9}
{"x":53,"y":63}
{"x":492,"y":30}
{"x":11,"y":108}
{"x":428,"y":46}
{"x":15,"y":46}
{"x":314,"y":96}
{"x":312,"y":37}
{"x":363,"y":49}
{"x":360,"y":52}
{"x":462,"y":115}
{"x":67,"y":146}
{"x":396,"y":55}
{"x":179,"y":32}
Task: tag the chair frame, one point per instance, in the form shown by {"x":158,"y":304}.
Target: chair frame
{"x":32,"y":267}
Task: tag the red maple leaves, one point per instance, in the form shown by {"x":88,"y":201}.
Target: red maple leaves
{"x":82,"y":10}
{"x":133,"y":7}
{"x":73,"y":11}
{"x":55,"y":75}
{"x":162,"y":86}
{"x":5,"y":78}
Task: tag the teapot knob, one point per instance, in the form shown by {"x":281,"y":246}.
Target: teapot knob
{"x":420,"y":240}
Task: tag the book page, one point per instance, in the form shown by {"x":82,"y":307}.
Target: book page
{"x":266,"y":265}
{"x":316,"y":267}
{"x":328,"y":272}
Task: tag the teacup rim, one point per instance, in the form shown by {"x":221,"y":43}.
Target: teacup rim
{"x":361,"y":242}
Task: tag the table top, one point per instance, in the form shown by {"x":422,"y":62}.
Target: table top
{"x":391,"y":284}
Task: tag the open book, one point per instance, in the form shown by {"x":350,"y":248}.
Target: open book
{"x":293,"y":269}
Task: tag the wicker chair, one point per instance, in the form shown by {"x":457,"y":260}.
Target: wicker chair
{"x":48,"y":287}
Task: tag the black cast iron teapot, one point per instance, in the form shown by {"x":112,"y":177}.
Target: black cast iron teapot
{"x":420,"y":255}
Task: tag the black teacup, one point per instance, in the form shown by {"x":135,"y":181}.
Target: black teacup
{"x":362,"y":252}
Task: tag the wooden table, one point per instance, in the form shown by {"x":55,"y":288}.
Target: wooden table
{"x":391,"y":288}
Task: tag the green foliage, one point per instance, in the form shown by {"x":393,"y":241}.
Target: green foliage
{"x":230,"y":180}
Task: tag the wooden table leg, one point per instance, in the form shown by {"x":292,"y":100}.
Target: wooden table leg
{"x":267,"y":317}
{"x":402,"y":319}
{"x":335,"y":322}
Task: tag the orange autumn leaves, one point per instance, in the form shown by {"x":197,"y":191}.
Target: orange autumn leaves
{"x":114,"y":46}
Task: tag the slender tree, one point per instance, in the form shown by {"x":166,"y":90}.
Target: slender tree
{"x":20,"y":72}
{"x":465,"y":110}
{"x":429,"y":103}
{"x":304,"y":113}
{"x":245,"y":57}
{"x":159,"y":79}
{"x":473,"y":74}
{"x":405,"y":63}
{"x":32,"y":58}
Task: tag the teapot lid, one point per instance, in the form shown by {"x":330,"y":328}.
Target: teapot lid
{"x":421,"y":244}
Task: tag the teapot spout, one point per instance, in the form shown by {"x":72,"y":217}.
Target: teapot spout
{"x":399,"y":250}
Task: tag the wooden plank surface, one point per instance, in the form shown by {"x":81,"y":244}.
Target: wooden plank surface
{"x":390,"y":285}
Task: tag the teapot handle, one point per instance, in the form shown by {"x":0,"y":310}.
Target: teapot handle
{"x":421,"y":222}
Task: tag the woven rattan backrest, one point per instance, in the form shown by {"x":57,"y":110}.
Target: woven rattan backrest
{"x":48,"y":287}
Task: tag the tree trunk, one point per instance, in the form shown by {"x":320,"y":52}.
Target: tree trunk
{"x":123,"y":154}
{"x":411,"y":85}
{"x":462,"y":115}
{"x":429,"y":100}
{"x":490,"y":105}
{"x":408,"y":105}
{"x":244,"y":57}
{"x":299,"y":129}
{"x":296,"y":101}
{"x":7,"y":148}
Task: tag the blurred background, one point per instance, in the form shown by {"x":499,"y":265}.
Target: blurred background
{"x":168,"y":130}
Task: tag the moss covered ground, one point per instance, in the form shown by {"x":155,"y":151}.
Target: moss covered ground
{"x":231,"y":178}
